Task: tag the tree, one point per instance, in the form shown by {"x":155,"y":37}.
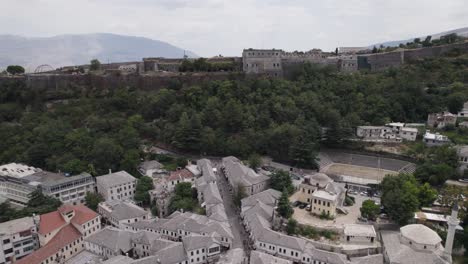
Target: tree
{"x":280,"y":181}
{"x":400,"y":197}
{"x":95,"y":65}
{"x":455,"y":103}
{"x":40,"y":204}
{"x":292,"y":227}
{"x":239,"y":195}
{"x":435,"y":174}
{"x":370,"y":210}
{"x":284,"y":207}
{"x":15,"y":69}
{"x":144,"y":184}
{"x":375,"y":50}
{"x":427,"y":194}
{"x":184,"y":198}
{"x":92,"y":200}
{"x":255,"y":161}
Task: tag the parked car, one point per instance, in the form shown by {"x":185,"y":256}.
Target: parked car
{"x":296,"y":204}
{"x":308,"y":207}
{"x":302,"y":205}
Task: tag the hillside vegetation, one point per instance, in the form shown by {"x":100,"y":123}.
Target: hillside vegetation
{"x":276,"y":117}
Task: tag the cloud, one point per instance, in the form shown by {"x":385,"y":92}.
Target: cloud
{"x":214,"y":27}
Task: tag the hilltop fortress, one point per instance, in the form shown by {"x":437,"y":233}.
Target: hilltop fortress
{"x":277,"y":62}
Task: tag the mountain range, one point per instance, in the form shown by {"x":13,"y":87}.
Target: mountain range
{"x":63,"y":50}
{"x":460,"y":31}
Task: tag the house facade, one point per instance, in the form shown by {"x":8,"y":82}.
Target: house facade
{"x":116,"y":186}
{"x":17,"y":239}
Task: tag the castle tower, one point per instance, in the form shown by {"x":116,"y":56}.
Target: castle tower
{"x":452,"y":225}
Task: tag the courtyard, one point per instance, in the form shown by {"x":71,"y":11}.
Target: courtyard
{"x":304,"y":217}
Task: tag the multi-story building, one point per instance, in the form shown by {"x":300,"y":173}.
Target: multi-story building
{"x":18,"y":181}
{"x":70,"y":189}
{"x":241,"y":176}
{"x":17,"y":239}
{"x":441,"y":120}
{"x":435,"y":139}
{"x":273,"y":62}
{"x":119,"y":213}
{"x":321,"y":193}
{"x":116,"y":186}
{"x":390,"y":132}
{"x":61,"y":234}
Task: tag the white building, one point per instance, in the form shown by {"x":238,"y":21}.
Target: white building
{"x":119,"y":213}
{"x":391,"y":131}
{"x":72,"y":189}
{"x":150,"y":247}
{"x":464,"y":111}
{"x":462,"y":153}
{"x":17,"y":181}
{"x":414,"y":244}
{"x":355,"y":233}
{"x":151,"y":168}
{"x":323,"y":195}
{"x":179,"y":176}
{"x":116,"y":186}
{"x":241,"y":176}
{"x":17,"y":239}
{"x":431,"y":139}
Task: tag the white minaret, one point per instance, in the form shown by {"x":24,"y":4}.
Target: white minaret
{"x":452,"y":225}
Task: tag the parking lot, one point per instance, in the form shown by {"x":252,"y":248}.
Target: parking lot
{"x":304,"y":217}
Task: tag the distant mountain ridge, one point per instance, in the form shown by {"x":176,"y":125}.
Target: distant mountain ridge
{"x":460,"y":31}
{"x":64,"y":50}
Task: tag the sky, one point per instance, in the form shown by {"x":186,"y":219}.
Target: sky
{"x":212,"y":27}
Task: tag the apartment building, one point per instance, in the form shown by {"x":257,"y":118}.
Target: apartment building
{"x":17,"y":239}
{"x":61,"y":234}
{"x":18,"y":181}
{"x":72,"y":189}
{"x":116,"y":186}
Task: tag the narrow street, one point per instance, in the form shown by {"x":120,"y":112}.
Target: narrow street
{"x":233,"y":214}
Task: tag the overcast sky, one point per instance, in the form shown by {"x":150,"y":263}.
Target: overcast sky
{"x":211,"y":27}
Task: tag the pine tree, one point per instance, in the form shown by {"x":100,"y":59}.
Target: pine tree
{"x":284,"y":207}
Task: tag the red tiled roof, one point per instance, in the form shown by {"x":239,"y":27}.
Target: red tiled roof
{"x":83,"y":214}
{"x":64,"y":237}
{"x":180,"y":174}
{"x":50,"y":222}
{"x":54,"y":220}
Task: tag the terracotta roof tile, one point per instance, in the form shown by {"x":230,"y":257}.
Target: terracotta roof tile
{"x":49,"y":222}
{"x":180,"y":174}
{"x":54,"y":220}
{"x":83,"y":214}
{"x":64,"y":237}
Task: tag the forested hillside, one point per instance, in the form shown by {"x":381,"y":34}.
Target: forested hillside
{"x":280,"y":118}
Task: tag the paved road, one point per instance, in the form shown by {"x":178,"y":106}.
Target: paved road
{"x":231,"y":211}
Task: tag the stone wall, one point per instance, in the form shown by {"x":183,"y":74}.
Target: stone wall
{"x":381,"y":61}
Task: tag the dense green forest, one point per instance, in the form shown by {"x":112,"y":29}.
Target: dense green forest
{"x":277,"y":117}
